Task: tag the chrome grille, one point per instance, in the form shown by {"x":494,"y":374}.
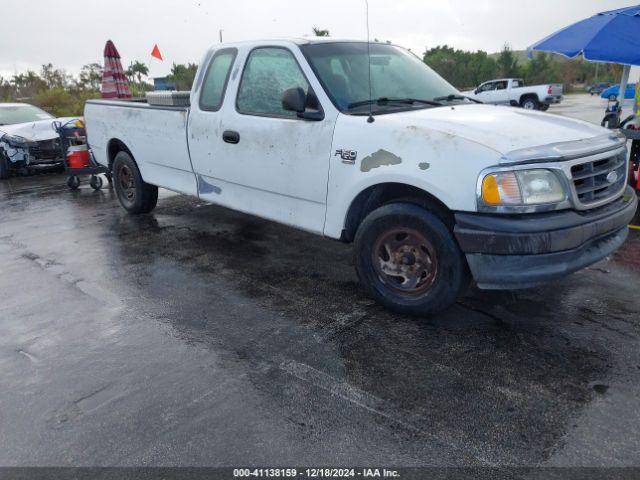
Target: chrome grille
{"x":599,"y":180}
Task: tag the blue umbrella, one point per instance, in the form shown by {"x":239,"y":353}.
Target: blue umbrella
{"x":612,"y":36}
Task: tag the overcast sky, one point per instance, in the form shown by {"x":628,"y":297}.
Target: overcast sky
{"x":71,"y":34}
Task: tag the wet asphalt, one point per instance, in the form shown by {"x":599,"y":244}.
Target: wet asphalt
{"x":198,"y":336}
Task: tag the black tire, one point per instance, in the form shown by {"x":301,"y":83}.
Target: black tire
{"x":445,"y":278}
{"x":135,"y":195}
{"x":5,"y":168}
{"x":530,"y":103}
{"x":544,"y":107}
{"x":73,"y":182}
{"x":96,"y":182}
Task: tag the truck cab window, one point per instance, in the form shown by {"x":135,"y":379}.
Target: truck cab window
{"x":215,"y":81}
{"x":268,"y":73}
{"x":487,"y":87}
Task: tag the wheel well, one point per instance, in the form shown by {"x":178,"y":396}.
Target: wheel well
{"x":528,"y":95}
{"x":115,"y":145}
{"x":377,"y":195}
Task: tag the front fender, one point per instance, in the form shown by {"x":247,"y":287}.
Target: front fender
{"x":393,"y":151}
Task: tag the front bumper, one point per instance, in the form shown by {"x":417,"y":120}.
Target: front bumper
{"x":45,"y":152}
{"x":522,"y":251}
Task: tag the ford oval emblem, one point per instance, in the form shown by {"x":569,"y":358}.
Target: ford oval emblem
{"x":612,"y":177}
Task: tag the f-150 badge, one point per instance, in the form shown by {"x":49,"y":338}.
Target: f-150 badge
{"x":347,"y":156}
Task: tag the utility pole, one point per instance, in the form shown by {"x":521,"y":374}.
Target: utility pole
{"x":220,"y":32}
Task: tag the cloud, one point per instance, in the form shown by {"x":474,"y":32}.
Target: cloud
{"x":39,"y":31}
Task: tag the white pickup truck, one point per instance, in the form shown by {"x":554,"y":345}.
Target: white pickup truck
{"x":512,"y":91}
{"x":432,"y":188}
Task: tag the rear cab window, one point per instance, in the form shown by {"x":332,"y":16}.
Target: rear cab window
{"x":215,"y":81}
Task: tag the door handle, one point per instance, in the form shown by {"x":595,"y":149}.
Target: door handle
{"x":230,"y":136}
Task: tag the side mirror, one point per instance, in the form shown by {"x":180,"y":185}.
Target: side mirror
{"x":294,"y":100}
{"x":477,"y":91}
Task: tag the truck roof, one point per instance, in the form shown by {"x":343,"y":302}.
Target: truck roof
{"x":295,"y":41}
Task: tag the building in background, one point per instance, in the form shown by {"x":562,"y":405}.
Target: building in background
{"x":162,"y":83}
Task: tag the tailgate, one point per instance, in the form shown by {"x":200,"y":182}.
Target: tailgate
{"x":555,"y":89}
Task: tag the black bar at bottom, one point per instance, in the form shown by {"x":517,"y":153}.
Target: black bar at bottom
{"x":232,"y":473}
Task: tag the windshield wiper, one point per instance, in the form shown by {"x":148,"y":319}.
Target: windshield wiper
{"x":452,"y":97}
{"x":385,"y":101}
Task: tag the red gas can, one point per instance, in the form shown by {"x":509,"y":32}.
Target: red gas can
{"x":78,"y":156}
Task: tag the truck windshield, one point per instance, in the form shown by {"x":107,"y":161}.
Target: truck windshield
{"x":12,"y":114}
{"x":399,"y":80}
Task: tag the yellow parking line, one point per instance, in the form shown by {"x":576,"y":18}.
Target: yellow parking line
{"x":634,"y":227}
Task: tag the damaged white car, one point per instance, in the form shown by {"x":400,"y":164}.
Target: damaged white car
{"x":27,"y":138}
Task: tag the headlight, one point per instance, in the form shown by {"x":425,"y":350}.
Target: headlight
{"x":15,"y":140}
{"x":522,"y":188}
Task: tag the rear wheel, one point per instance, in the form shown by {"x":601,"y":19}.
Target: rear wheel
{"x":135,"y":195}
{"x":408,"y":260}
{"x":544,"y":107}
{"x":530,"y":103}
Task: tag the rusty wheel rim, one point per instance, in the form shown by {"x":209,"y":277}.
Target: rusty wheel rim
{"x":405,"y":261}
{"x":126,"y":181}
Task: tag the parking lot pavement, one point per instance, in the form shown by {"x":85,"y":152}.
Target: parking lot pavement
{"x":587,"y":107}
{"x":199,"y":336}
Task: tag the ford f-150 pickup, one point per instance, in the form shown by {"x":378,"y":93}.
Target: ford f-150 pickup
{"x":376,"y":149}
{"x":513,"y":91}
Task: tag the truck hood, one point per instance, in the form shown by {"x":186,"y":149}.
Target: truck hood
{"x":512,"y":132}
{"x":34,"y":131}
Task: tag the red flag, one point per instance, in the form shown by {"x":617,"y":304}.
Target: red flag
{"x":156,"y":52}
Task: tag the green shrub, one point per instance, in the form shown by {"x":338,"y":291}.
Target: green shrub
{"x":63,"y":103}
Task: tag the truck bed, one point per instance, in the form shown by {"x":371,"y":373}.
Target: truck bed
{"x":156,"y":135}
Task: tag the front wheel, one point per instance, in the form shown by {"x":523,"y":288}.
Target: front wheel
{"x":135,"y":195}
{"x":408,"y":260}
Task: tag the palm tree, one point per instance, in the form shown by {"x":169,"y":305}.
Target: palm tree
{"x":137,"y":70}
{"x":318,"y":32}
